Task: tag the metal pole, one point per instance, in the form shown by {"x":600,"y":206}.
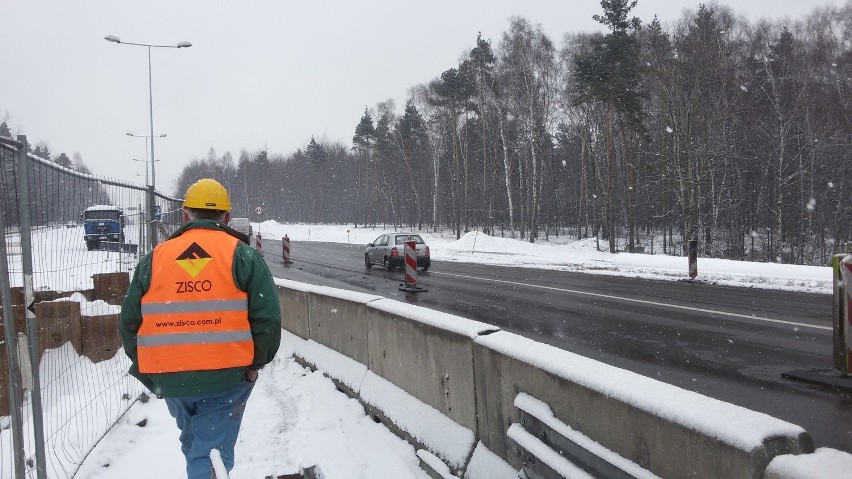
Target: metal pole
{"x":151,"y":200}
{"x":11,"y":336}
{"x":29,"y":301}
{"x":152,"y":228}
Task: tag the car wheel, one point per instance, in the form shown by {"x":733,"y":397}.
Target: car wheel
{"x":388,"y":266}
{"x":367,"y":262}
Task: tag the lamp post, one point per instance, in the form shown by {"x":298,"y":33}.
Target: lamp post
{"x":146,"y":160}
{"x":115,"y":39}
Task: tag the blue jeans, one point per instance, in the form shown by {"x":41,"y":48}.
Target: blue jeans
{"x":209,"y":422}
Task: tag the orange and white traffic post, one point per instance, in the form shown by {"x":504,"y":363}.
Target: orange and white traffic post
{"x":285,"y":253}
{"x":411,"y":285}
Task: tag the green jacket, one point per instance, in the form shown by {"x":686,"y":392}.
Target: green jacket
{"x":251,"y":274}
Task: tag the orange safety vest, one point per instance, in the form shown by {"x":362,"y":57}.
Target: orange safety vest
{"x":194,"y":317}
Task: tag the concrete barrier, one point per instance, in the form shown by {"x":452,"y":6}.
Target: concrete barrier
{"x":438,"y":380}
{"x":428,"y":354}
{"x":338,"y":319}
{"x":665,"y":429}
{"x":293,"y":297}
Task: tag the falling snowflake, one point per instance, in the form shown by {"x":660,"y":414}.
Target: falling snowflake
{"x":831,"y":184}
{"x":754,"y":234}
{"x":811,"y":204}
{"x":669,"y":129}
{"x":743,"y":88}
{"x":564,"y":163}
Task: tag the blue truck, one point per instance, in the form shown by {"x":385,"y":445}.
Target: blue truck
{"x":102,"y":223}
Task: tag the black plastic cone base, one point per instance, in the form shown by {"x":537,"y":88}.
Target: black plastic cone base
{"x":412,"y":288}
{"x":823,"y":377}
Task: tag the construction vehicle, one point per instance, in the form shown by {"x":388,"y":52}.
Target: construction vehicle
{"x":102,"y":224}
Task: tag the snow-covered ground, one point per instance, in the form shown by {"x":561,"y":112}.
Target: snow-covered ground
{"x":296,"y":417}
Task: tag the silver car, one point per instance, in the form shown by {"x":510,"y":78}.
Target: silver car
{"x":388,"y":250}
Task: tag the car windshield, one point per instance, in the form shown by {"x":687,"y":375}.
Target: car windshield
{"x":403,"y":238}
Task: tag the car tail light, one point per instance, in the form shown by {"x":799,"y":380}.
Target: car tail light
{"x":427,"y":252}
{"x":394,"y":252}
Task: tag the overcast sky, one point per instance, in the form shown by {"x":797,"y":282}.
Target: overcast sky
{"x":259,"y":73}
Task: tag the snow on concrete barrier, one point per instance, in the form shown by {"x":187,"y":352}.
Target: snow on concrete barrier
{"x":423,"y":372}
{"x":824,"y":463}
{"x":668,"y":430}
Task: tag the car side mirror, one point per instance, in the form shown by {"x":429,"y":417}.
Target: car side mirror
{"x":370,"y":245}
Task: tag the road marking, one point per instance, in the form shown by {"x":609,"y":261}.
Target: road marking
{"x":642,"y":301}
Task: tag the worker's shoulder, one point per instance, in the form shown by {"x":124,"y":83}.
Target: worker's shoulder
{"x":246,"y":253}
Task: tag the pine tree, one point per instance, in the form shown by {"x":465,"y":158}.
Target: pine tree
{"x":609,"y":73}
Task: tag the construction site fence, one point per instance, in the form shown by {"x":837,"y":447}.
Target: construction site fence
{"x":71,"y":241}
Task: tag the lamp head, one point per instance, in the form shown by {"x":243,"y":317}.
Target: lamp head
{"x":112,"y":38}
{"x":184,"y":45}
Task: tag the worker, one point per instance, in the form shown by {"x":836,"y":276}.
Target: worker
{"x":200,"y":319}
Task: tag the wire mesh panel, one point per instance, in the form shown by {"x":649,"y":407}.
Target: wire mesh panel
{"x":87,"y":235}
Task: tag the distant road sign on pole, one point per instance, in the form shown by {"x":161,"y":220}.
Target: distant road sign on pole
{"x":258,"y":210}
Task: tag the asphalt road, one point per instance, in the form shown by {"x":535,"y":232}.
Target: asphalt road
{"x":725,"y":342}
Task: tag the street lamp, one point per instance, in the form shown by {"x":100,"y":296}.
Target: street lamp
{"x":146,"y":169}
{"x":115,"y":39}
{"x":146,"y":160}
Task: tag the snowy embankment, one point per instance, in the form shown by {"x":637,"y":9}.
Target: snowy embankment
{"x":564,"y":254}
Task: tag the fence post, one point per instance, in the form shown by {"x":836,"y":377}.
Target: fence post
{"x":11,"y":335}
{"x":25,"y":225}
{"x":693,"y":258}
{"x":842,"y":266}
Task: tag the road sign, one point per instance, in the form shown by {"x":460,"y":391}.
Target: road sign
{"x":258,"y":211}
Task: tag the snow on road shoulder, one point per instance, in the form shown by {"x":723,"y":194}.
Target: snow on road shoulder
{"x":295,"y":418}
{"x":564,"y":254}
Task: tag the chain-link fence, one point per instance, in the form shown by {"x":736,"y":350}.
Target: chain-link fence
{"x":71,"y":240}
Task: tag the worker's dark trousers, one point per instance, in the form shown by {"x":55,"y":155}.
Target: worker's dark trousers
{"x":208,"y":422}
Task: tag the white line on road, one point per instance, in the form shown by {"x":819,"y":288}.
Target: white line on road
{"x":642,"y":301}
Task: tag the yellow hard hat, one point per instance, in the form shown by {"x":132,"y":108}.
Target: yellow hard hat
{"x":207,"y":194}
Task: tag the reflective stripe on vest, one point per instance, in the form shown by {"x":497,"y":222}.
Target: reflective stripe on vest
{"x":194,"y":338}
{"x":194,"y":317}
{"x":196,"y":306}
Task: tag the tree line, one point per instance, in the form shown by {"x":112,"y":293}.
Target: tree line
{"x":713,"y":128}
